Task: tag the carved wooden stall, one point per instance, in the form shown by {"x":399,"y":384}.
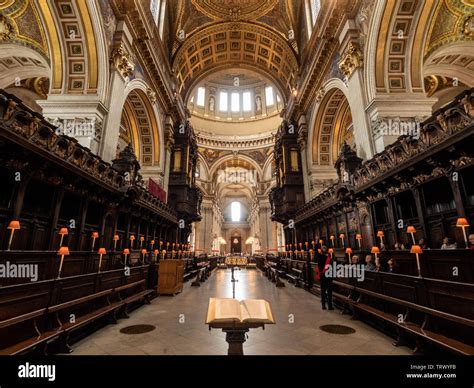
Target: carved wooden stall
{"x":423,"y":183}
{"x":60,"y":194}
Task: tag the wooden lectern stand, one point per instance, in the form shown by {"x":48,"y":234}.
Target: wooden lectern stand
{"x":235,"y":335}
{"x":236,"y":318}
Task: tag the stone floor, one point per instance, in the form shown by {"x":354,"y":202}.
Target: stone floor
{"x":180,"y":327}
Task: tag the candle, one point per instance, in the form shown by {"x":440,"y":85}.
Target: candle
{"x":381,"y":235}
{"x":416,"y":249}
{"x":349,"y":252}
{"x":342,"y":237}
{"x":126,"y":252}
{"x":462,"y":223}
{"x":14,"y":225}
{"x":359,"y":240}
{"x":63,"y":251}
{"x":62,"y":232}
{"x":116,"y":238}
{"x":95,"y":235}
{"x":375,"y":251}
{"x":411,"y":230}
{"x":101,"y":252}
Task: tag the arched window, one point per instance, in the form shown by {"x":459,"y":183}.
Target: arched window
{"x":158,"y":10}
{"x":235,"y":211}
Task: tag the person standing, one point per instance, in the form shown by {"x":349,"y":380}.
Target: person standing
{"x":324,"y":262}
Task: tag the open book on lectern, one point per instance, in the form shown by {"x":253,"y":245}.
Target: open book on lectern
{"x":233,"y":310}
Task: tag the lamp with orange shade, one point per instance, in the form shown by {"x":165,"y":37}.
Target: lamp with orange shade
{"x":416,"y":249}
{"x":330,"y":251}
{"x":412,"y":230}
{"x":381,"y":235}
{"x":144,"y":251}
{"x":14,"y":225}
{"x":126,"y":252}
{"x":342,"y":236}
{"x":62,"y":232}
{"x":63,"y":251}
{"x":95,"y":236}
{"x":152,"y":243}
{"x":101,"y":253}
{"x":116,"y":238}
{"x":141,"y":241}
{"x":349,"y":252}
{"x":375,"y":251}
{"x":359,"y":240}
{"x":332,"y":238}
{"x":462,"y":223}
{"x":132,"y":239}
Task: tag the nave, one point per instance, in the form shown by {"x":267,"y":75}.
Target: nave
{"x":303,"y":337}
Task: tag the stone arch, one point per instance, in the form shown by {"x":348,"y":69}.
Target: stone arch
{"x":230,"y":158}
{"x":332,"y":119}
{"x":454,"y":61}
{"x":141,"y":120}
{"x":21,"y":62}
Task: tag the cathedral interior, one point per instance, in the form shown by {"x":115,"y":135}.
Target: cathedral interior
{"x":155,"y":154}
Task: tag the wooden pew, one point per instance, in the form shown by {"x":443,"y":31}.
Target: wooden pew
{"x":24,"y":327}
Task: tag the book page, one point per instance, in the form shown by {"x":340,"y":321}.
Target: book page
{"x":223,"y":310}
{"x":257,"y":310}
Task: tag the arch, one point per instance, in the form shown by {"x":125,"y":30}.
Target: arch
{"x":454,"y":61}
{"x":22,"y":62}
{"x":331,"y":120}
{"x":230,"y":158}
{"x":141,"y":117}
{"x":231,"y":44}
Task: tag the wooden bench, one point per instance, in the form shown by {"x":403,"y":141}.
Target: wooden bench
{"x":200,"y":277}
{"x":405,"y":326}
{"x":24,"y":327}
{"x":126,"y":300}
{"x":275,"y":278}
{"x":40,"y":340}
{"x":74,"y":314}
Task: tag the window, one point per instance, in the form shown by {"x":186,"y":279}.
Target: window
{"x":236,"y":211}
{"x":154,"y":9}
{"x":201,"y":95}
{"x":235,"y":102}
{"x":278,"y":98}
{"x":269,"y":96}
{"x":247,"y":101}
{"x":223,"y":103}
{"x":315,"y":8}
{"x":162,"y":17}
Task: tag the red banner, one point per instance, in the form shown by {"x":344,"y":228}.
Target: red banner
{"x":155,"y":189}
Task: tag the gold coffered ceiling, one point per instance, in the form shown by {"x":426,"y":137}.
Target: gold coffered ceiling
{"x":235,"y":9}
{"x":235,"y":45}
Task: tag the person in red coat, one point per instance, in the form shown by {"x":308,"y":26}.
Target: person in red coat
{"x":324,"y":262}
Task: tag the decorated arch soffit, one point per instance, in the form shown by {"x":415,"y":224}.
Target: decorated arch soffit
{"x":447,"y":53}
{"x":142,"y":132}
{"x":235,"y":9}
{"x":332,"y":128}
{"x":235,"y":44}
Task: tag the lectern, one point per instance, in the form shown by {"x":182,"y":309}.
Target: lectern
{"x":236,"y":318}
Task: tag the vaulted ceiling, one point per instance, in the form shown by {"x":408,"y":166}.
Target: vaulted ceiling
{"x":224,"y":34}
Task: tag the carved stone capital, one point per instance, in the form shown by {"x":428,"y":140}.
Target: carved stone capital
{"x":351,"y":60}
{"x":122,"y":62}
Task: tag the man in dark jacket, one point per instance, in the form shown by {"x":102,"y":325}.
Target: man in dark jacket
{"x":324,"y":262}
